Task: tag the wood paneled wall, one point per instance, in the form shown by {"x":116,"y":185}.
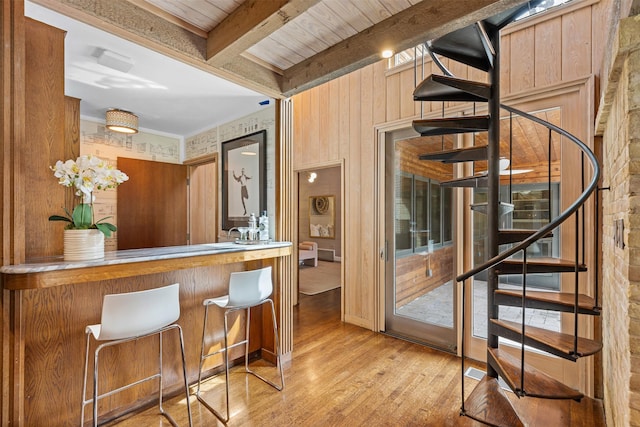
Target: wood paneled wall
{"x":412,"y":278}
{"x":71,"y":139}
{"x":203,"y":202}
{"x":333,"y":122}
{"x":336,"y":121}
{"x":54,"y":341}
{"x":45,"y":138}
{"x":153,"y":212}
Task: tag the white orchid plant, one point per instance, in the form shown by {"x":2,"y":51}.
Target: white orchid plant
{"x":87,"y":174}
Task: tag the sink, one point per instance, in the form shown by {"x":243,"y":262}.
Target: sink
{"x":222,"y":245}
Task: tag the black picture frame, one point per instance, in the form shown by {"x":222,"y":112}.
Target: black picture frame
{"x":244,"y":179}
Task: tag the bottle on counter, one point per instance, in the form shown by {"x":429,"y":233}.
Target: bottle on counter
{"x":263,"y":226}
{"x":253,"y":227}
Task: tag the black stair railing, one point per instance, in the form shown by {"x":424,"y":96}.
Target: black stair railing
{"x":587,"y":191}
{"x":562,"y":217}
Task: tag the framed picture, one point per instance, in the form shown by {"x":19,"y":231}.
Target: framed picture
{"x":244,"y":179}
{"x":322,"y":217}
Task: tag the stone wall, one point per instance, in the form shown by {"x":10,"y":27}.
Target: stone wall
{"x":619,"y":123}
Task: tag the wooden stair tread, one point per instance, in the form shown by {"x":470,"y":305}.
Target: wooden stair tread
{"x":513,"y":235}
{"x":586,"y":304}
{"x":489,"y":404}
{"x":536,"y":383}
{"x":539,"y":265}
{"x":553,"y":342}
{"x":437,"y":87}
{"x":457,"y":155}
{"x":451,"y":125}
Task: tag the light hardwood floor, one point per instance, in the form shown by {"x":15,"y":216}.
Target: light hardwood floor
{"x":343,"y":375}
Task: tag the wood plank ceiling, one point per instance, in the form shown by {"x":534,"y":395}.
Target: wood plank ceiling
{"x":278,"y":47}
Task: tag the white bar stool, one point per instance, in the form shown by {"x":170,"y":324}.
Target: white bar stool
{"x":128,"y":317}
{"x":246,"y":289}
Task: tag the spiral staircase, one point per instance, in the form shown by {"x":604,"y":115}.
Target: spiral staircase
{"x":478,"y":46}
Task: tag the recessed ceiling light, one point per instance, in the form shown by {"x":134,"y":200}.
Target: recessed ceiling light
{"x":387,"y":53}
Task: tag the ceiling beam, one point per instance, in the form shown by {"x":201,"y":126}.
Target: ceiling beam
{"x":248,"y":24}
{"x":251,"y":72}
{"x":130,"y":22}
{"x":424,"y":21}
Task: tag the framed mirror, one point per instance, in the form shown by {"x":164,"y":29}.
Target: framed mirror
{"x":322,"y":217}
{"x":244,"y":179}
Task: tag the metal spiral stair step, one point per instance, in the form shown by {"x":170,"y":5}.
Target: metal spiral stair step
{"x":503,"y":208}
{"x":478,"y":181}
{"x":489,"y":404}
{"x":539,"y":265}
{"x":556,"y":301}
{"x":556,"y":343}
{"x":536,"y":382}
{"x":466,"y":45}
{"x":470,"y":45}
{"x":451,"y":125}
{"x":444,"y":88}
{"x":508,"y":16}
{"x":457,"y":155}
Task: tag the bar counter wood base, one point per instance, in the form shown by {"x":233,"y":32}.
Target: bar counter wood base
{"x":48,"y":303}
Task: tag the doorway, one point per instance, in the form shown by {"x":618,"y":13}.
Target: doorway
{"x":203,"y":202}
{"x":320,"y":230}
{"x":420,"y":297}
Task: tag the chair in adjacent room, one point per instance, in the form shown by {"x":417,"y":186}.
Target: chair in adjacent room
{"x":128,"y":317}
{"x":308,"y":251}
{"x":247,"y":289}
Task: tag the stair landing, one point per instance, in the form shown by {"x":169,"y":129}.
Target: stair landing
{"x":549,"y":412}
{"x":489,"y":404}
{"x":536,"y":383}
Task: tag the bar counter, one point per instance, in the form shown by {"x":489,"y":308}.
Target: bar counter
{"x":48,"y":303}
{"x":54,"y":271}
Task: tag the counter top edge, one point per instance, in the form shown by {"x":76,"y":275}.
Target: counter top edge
{"x":54,"y":271}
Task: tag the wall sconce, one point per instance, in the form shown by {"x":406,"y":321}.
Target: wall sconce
{"x":121,"y":121}
{"x":312,"y":176}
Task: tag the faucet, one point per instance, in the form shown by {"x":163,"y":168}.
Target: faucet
{"x":230,"y":230}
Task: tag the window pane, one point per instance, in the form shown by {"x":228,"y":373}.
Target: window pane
{"x":403,"y":212}
{"x":447,"y":214}
{"x":422,"y":212}
{"x":435,"y":214}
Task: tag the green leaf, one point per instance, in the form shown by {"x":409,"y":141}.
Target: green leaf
{"x":82,"y":216}
{"x":106,"y":228}
{"x":102,"y":219}
{"x":59,"y":218}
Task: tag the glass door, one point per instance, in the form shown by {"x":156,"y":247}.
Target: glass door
{"x":419,"y":286}
{"x":534,"y":205}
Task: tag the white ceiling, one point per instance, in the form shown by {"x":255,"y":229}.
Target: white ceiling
{"x":168,"y":96}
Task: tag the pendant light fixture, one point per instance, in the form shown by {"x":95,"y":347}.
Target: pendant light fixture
{"x":121,"y":121}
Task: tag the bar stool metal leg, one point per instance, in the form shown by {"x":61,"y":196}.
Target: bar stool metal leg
{"x":96,"y":396}
{"x":203,"y":357}
{"x":130,"y":317}
{"x":225,"y":350}
{"x":277,"y":349}
{"x":84,"y":382}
